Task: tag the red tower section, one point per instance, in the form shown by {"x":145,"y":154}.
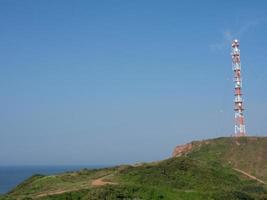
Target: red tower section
{"x":238,"y":101}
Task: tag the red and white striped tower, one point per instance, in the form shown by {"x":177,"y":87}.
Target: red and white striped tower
{"x":238,"y":101}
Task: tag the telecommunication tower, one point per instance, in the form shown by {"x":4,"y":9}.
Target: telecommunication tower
{"x":238,"y":100}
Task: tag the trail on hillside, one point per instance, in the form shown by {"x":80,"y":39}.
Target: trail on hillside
{"x":55,"y":192}
{"x":101,"y":181}
{"x":249,"y":175}
{"x":96,"y":182}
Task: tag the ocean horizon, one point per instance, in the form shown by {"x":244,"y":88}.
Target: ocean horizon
{"x":11,"y":176}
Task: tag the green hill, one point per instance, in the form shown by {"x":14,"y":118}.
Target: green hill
{"x":245,"y":153}
{"x":219,"y":169}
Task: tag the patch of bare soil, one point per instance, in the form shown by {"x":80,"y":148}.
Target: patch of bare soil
{"x":101,"y":181}
{"x":182,"y":150}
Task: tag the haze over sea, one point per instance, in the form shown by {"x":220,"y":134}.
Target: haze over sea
{"x":10,"y":176}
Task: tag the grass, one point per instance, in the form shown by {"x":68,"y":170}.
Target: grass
{"x":39,"y":185}
{"x":204,"y":173}
{"x":245,"y":153}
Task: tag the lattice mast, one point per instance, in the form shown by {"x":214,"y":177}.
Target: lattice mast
{"x":238,"y":100}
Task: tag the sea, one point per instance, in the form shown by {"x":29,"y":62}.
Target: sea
{"x":10,"y":176}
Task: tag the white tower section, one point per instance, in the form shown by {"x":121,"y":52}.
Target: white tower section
{"x":238,"y":100}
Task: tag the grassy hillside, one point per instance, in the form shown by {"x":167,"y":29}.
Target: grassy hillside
{"x":205,"y":172}
{"x":246,"y":153}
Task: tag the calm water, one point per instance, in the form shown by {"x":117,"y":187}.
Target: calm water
{"x":13,"y":175}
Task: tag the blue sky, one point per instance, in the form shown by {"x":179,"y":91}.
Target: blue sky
{"x":109,"y":82}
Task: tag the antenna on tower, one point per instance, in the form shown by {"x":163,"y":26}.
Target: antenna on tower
{"x":238,"y":101}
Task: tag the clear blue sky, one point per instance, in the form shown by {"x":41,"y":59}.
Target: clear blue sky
{"x":108,"y":82}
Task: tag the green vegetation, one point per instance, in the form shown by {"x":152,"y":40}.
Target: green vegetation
{"x":245,"y":153}
{"x":206,"y":172}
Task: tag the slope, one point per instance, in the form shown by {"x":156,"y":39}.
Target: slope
{"x":204,"y":171}
{"x":247,"y":154}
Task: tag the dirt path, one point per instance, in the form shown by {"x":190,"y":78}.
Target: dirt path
{"x":101,"y":181}
{"x":96,"y":182}
{"x":54,"y":193}
{"x":249,"y":175}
